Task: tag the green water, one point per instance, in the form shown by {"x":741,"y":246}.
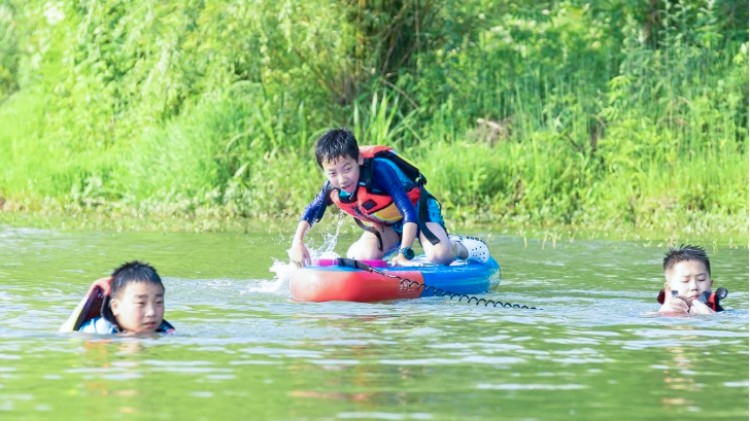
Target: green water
{"x":243,"y":350}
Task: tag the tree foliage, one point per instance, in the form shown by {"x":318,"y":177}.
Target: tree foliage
{"x":561,"y":110}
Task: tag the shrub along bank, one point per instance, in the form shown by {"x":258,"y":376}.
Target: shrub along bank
{"x":612,"y":113}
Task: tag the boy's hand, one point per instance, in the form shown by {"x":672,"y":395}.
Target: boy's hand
{"x":673,"y":304}
{"x":105,"y":284}
{"x":299,"y":255}
{"x":698,"y":307}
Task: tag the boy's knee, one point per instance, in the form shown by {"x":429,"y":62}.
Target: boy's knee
{"x":441,"y":254}
{"x":361,"y":251}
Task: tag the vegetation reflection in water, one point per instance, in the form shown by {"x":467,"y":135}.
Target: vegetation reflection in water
{"x":244,"y":350}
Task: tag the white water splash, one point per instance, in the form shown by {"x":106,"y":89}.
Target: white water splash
{"x":284,"y":270}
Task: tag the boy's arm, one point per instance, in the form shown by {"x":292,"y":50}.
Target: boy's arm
{"x":408,"y":236}
{"x":298,"y":253}
{"x":315,"y":209}
{"x":387,"y":180}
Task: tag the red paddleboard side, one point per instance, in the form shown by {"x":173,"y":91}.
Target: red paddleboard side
{"x":310,"y":284}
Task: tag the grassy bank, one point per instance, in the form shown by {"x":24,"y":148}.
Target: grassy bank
{"x":709,"y":232}
{"x":600,"y":116}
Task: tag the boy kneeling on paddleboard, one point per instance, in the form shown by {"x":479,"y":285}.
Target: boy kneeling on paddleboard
{"x":386,"y":196}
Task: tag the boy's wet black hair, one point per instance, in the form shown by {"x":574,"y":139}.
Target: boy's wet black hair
{"x":134,"y":271}
{"x":336,"y":143}
{"x":684,"y":253}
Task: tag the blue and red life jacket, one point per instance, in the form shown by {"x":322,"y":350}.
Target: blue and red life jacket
{"x":372,"y":206}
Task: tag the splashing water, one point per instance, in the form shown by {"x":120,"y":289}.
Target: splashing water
{"x":284,"y":270}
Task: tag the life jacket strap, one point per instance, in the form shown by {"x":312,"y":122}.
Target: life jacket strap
{"x":371,"y":230}
{"x":423,"y":216}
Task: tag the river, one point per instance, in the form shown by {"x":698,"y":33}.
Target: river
{"x":244,"y":350}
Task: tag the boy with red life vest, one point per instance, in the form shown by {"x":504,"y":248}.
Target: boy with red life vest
{"x":687,"y":289}
{"x":391,"y":206}
{"x":131,"y":301}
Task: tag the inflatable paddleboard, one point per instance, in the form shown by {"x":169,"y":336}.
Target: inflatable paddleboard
{"x":339,"y":280}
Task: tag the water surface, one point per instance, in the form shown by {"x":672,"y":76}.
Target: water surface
{"x":244,"y":350}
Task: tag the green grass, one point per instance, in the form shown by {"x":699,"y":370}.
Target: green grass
{"x":557,"y":115}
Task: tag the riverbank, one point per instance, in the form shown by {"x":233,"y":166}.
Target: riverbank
{"x":709,"y":230}
{"x":528,"y":116}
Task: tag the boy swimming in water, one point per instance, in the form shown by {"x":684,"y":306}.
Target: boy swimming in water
{"x":392,"y":208}
{"x":687,"y":289}
{"x":133,"y":302}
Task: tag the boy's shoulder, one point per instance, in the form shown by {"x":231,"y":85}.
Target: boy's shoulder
{"x":99,"y":325}
{"x":403,"y":168}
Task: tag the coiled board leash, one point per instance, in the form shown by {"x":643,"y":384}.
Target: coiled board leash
{"x":438,"y":292}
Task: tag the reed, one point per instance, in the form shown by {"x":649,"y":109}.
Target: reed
{"x":564,"y":112}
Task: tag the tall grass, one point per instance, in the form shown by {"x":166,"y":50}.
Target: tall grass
{"x":560,"y":112}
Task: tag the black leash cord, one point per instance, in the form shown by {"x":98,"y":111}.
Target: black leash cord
{"x":438,"y":292}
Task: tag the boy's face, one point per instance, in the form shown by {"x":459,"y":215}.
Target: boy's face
{"x":689,"y":278}
{"x":343,"y":172}
{"x":139,"y":308}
